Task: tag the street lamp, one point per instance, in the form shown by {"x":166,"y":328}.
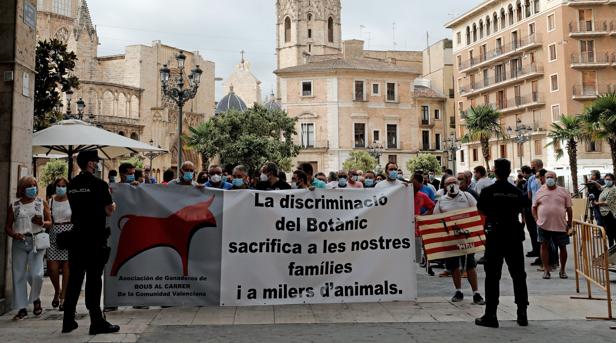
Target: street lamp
{"x":179,"y":94}
{"x":376,"y":150}
{"x":522,"y":135}
{"x":452,"y":145}
{"x":69,"y":96}
{"x":81,"y":105}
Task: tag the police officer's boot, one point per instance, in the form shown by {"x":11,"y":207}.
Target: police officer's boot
{"x":69,"y":325}
{"x":489,"y":318}
{"x":98,"y":324}
{"x":522,"y":317}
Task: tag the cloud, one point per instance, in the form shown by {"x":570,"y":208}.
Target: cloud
{"x":221,"y":29}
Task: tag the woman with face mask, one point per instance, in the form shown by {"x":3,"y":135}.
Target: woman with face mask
{"x":607,"y":206}
{"x":27,"y":217}
{"x":58,"y":258}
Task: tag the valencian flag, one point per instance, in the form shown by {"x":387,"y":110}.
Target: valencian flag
{"x":451,"y":234}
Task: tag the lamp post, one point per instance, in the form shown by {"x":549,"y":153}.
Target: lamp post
{"x":522,"y":135}
{"x":376,"y":150}
{"x":179,"y":94}
{"x":69,"y":96}
{"x":81,"y":105}
{"x":452,"y":145}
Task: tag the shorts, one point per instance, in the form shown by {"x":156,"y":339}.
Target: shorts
{"x":558,"y":238}
{"x":453,"y":263}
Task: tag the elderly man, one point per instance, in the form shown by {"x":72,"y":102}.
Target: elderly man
{"x":457,"y":199}
{"x":216,"y":179}
{"x":552,"y":210}
{"x":187,"y":175}
{"x":240,"y":178}
{"x":464,"y":180}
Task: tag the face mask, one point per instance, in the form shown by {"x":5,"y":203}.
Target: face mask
{"x":453,"y":189}
{"x":61,"y":191}
{"x":216,"y":178}
{"x":263,"y":177}
{"x":294,"y":185}
{"x":368,"y":182}
{"x":112,"y":179}
{"x":431,"y":177}
{"x":393,"y":175}
{"x":188,"y":176}
{"x":355,"y":178}
{"x":551,"y":182}
{"x":31,"y":192}
{"x":130,"y":178}
{"x":342,"y":182}
{"x":238,"y":182}
{"x":609,"y":183}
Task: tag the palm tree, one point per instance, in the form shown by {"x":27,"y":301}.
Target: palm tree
{"x":569,"y":131}
{"x":483,"y":123}
{"x":196,"y":141}
{"x":600,"y":121}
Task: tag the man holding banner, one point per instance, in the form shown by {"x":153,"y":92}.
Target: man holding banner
{"x":503,"y":203}
{"x":456,"y":199}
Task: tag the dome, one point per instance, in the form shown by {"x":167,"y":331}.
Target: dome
{"x":272,"y":105}
{"x":230,"y":102}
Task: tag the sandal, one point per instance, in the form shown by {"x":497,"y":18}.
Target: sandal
{"x":61,"y":307}
{"x":38,"y":309}
{"x":55,"y":302}
{"x":23,"y":313}
{"x":546,"y":276}
{"x":563,"y":275}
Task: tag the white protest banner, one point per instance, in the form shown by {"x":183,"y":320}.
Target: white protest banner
{"x":318,"y":246}
{"x":165,"y":246}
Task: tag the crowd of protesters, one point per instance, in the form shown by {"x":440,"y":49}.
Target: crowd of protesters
{"x":545,"y":211}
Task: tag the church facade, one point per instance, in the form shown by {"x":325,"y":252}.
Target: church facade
{"x":123,"y":93}
{"x":348,"y":98}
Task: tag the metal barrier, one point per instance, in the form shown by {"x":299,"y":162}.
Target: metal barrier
{"x":590,"y":249}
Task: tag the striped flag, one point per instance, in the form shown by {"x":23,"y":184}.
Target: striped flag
{"x":451,"y":234}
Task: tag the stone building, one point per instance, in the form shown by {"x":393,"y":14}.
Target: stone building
{"x":123,"y":93}
{"x":244,"y":83}
{"x":534,"y":61}
{"x":347,"y":98}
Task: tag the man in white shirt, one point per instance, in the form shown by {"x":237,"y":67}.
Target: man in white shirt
{"x":456,"y":199}
{"x":481,"y":175}
{"x":391,"y":170}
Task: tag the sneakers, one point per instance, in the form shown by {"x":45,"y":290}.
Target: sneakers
{"x":478,"y":299}
{"x":457,"y":297}
{"x":103,"y":327}
{"x":522,"y":317}
{"x":488,"y":321}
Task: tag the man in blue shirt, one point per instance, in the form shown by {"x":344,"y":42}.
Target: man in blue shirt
{"x":216,"y":180}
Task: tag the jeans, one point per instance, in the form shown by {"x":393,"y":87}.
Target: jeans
{"x":27,"y":269}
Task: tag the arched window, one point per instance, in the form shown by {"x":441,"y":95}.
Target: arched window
{"x":287,"y":29}
{"x":503,"y":21}
{"x":468,"y":35}
{"x":527,"y":9}
{"x":121,"y":133}
{"x":488,"y":27}
{"x":510,"y":14}
{"x":518,"y":10}
{"x":495,"y":21}
{"x":134,"y":136}
{"x":481,"y":29}
{"x":309,"y":16}
{"x":474,"y":32}
{"x":330,"y":29}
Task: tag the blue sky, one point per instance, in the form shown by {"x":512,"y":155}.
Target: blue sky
{"x":221,"y":29}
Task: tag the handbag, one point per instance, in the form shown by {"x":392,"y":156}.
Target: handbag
{"x":41,"y":241}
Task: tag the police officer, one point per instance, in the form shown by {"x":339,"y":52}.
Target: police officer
{"x":502,"y":203}
{"x":91,"y":204}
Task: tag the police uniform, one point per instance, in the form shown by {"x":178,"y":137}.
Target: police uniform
{"x":88,"y":251}
{"x":502,"y":203}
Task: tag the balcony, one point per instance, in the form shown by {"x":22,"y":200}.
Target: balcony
{"x":314,"y":146}
{"x":518,"y":75}
{"x":500,"y":53}
{"x":520,"y":103}
{"x":591,"y":60}
{"x":589,"y":30}
{"x":584,"y":3}
{"x":582,"y":92}
{"x":426,"y":123}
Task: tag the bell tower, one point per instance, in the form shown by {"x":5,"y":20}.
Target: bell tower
{"x":306,"y":28}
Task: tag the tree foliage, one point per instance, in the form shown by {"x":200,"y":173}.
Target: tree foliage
{"x":136,"y":161}
{"x":360,"y":160}
{"x":568,"y":131}
{"x":52,"y":170}
{"x":600,"y":121}
{"x":251,"y":138}
{"x":54,"y":64}
{"x":423,"y":162}
{"x":483,"y":123}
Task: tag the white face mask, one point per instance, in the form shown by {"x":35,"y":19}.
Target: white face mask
{"x":216,"y":178}
{"x":293,"y":185}
{"x":453,"y":189}
{"x":263,"y":177}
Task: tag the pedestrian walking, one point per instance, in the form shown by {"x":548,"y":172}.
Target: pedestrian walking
{"x":607,"y":207}
{"x":57,"y":258}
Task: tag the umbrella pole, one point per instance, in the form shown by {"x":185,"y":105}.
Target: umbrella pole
{"x":70,"y":162}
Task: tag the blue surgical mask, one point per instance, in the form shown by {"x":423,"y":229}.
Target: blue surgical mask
{"x":61,"y":191}
{"x":31,"y":192}
{"x":355,"y":178}
{"x":238,"y":182}
{"x":342,"y":182}
{"x":188,"y":176}
{"x":368,"y":182}
{"x":551,"y":182}
{"x":609,"y":183}
{"x":130,"y":178}
{"x":393,"y":175}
